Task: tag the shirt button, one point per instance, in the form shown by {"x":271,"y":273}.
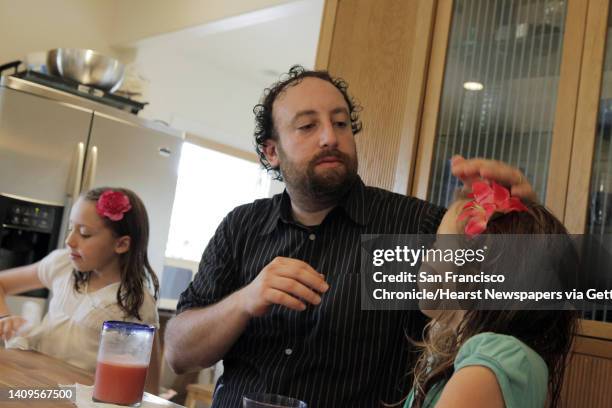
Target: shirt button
{"x":288,"y":351}
{"x":312,"y":237}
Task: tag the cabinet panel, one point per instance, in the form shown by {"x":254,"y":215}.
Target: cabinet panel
{"x":588,"y":375}
{"x":381,"y":49}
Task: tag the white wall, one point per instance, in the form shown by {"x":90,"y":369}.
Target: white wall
{"x":276,"y":187}
{"x":201,"y":98}
{"x":138,"y":19}
{"x":40,"y":25}
{"x":104,"y":25}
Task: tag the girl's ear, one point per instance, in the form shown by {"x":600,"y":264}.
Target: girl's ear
{"x":123,"y":244}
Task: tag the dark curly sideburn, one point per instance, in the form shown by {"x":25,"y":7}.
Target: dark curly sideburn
{"x":264,"y":124}
{"x":135,"y":268}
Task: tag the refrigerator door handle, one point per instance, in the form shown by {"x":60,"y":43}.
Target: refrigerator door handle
{"x":72,"y":189}
{"x":76,"y":176}
{"x":90,"y":171}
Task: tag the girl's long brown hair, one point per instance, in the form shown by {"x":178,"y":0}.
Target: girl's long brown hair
{"x":136,"y":271}
{"x":548,"y":332}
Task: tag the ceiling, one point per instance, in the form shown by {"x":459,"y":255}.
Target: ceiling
{"x":259,"y":44}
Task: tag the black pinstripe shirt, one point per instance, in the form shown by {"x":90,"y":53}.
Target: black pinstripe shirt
{"x":329,"y":355}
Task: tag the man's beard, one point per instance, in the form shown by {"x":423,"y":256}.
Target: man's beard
{"x":320,"y":187}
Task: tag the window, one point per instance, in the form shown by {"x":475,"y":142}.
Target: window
{"x":210,"y":184}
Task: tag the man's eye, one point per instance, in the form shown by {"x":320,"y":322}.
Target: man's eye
{"x":341,"y":124}
{"x":306,"y":127}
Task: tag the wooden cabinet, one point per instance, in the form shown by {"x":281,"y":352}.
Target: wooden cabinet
{"x":589,"y":372}
{"x":542,"y":102}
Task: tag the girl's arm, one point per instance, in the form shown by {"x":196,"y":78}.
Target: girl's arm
{"x":17,"y":280}
{"x":152,"y":381}
{"x":472,"y":387}
{"x":12,"y":281}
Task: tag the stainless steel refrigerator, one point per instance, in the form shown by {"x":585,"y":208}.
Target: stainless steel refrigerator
{"x":54,"y":145}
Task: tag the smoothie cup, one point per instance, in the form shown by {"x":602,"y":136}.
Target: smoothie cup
{"x":123,"y":360}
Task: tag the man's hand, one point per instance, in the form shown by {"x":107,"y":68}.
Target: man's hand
{"x":284,"y":281}
{"x":475,"y":169}
{"x":10,"y":325}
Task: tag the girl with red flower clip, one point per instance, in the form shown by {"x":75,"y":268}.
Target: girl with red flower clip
{"x":103,"y":274}
{"x":493,"y":358}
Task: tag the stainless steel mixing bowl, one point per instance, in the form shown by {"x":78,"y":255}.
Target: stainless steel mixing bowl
{"x":87,"y":67}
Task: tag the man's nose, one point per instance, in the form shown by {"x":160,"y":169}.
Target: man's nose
{"x":328,"y":137}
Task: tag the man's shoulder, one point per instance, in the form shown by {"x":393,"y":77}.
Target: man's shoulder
{"x":259,"y":206}
{"x":253,"y":214}
{"x":411,"y":215}
{"x":380,"y":195}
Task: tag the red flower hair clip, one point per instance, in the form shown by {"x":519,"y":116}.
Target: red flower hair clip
{"x":113,"y":204}
{"x":487,"y":200}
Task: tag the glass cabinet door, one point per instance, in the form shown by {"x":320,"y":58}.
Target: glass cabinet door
{"x":527,"y":82}
{"x":499,"y":94}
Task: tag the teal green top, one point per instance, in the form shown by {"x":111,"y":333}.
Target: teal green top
{"x":521,"y":372}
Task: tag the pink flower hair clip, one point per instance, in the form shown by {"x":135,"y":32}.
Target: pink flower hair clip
{"x":488,"y":199}
{"x":112,"y":205}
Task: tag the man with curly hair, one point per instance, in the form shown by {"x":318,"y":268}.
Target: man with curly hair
{"x":277,"y":295}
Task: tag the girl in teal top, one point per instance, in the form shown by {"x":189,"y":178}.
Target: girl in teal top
{"x":494,"y":358}
{"x":521,"y":374}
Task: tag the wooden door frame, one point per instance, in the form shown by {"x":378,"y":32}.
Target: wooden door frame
{"x":567,"y":101}
{"x":584,"y":142}
{"x":433,"y":96}
{"x":583,"y":146}
{"x":407,"y":154}
{"x":326,"y":34}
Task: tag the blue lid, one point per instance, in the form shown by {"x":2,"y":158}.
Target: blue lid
{"x":128,"y":326}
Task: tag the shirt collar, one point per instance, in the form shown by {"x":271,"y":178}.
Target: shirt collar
{"x":354,"y":205}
